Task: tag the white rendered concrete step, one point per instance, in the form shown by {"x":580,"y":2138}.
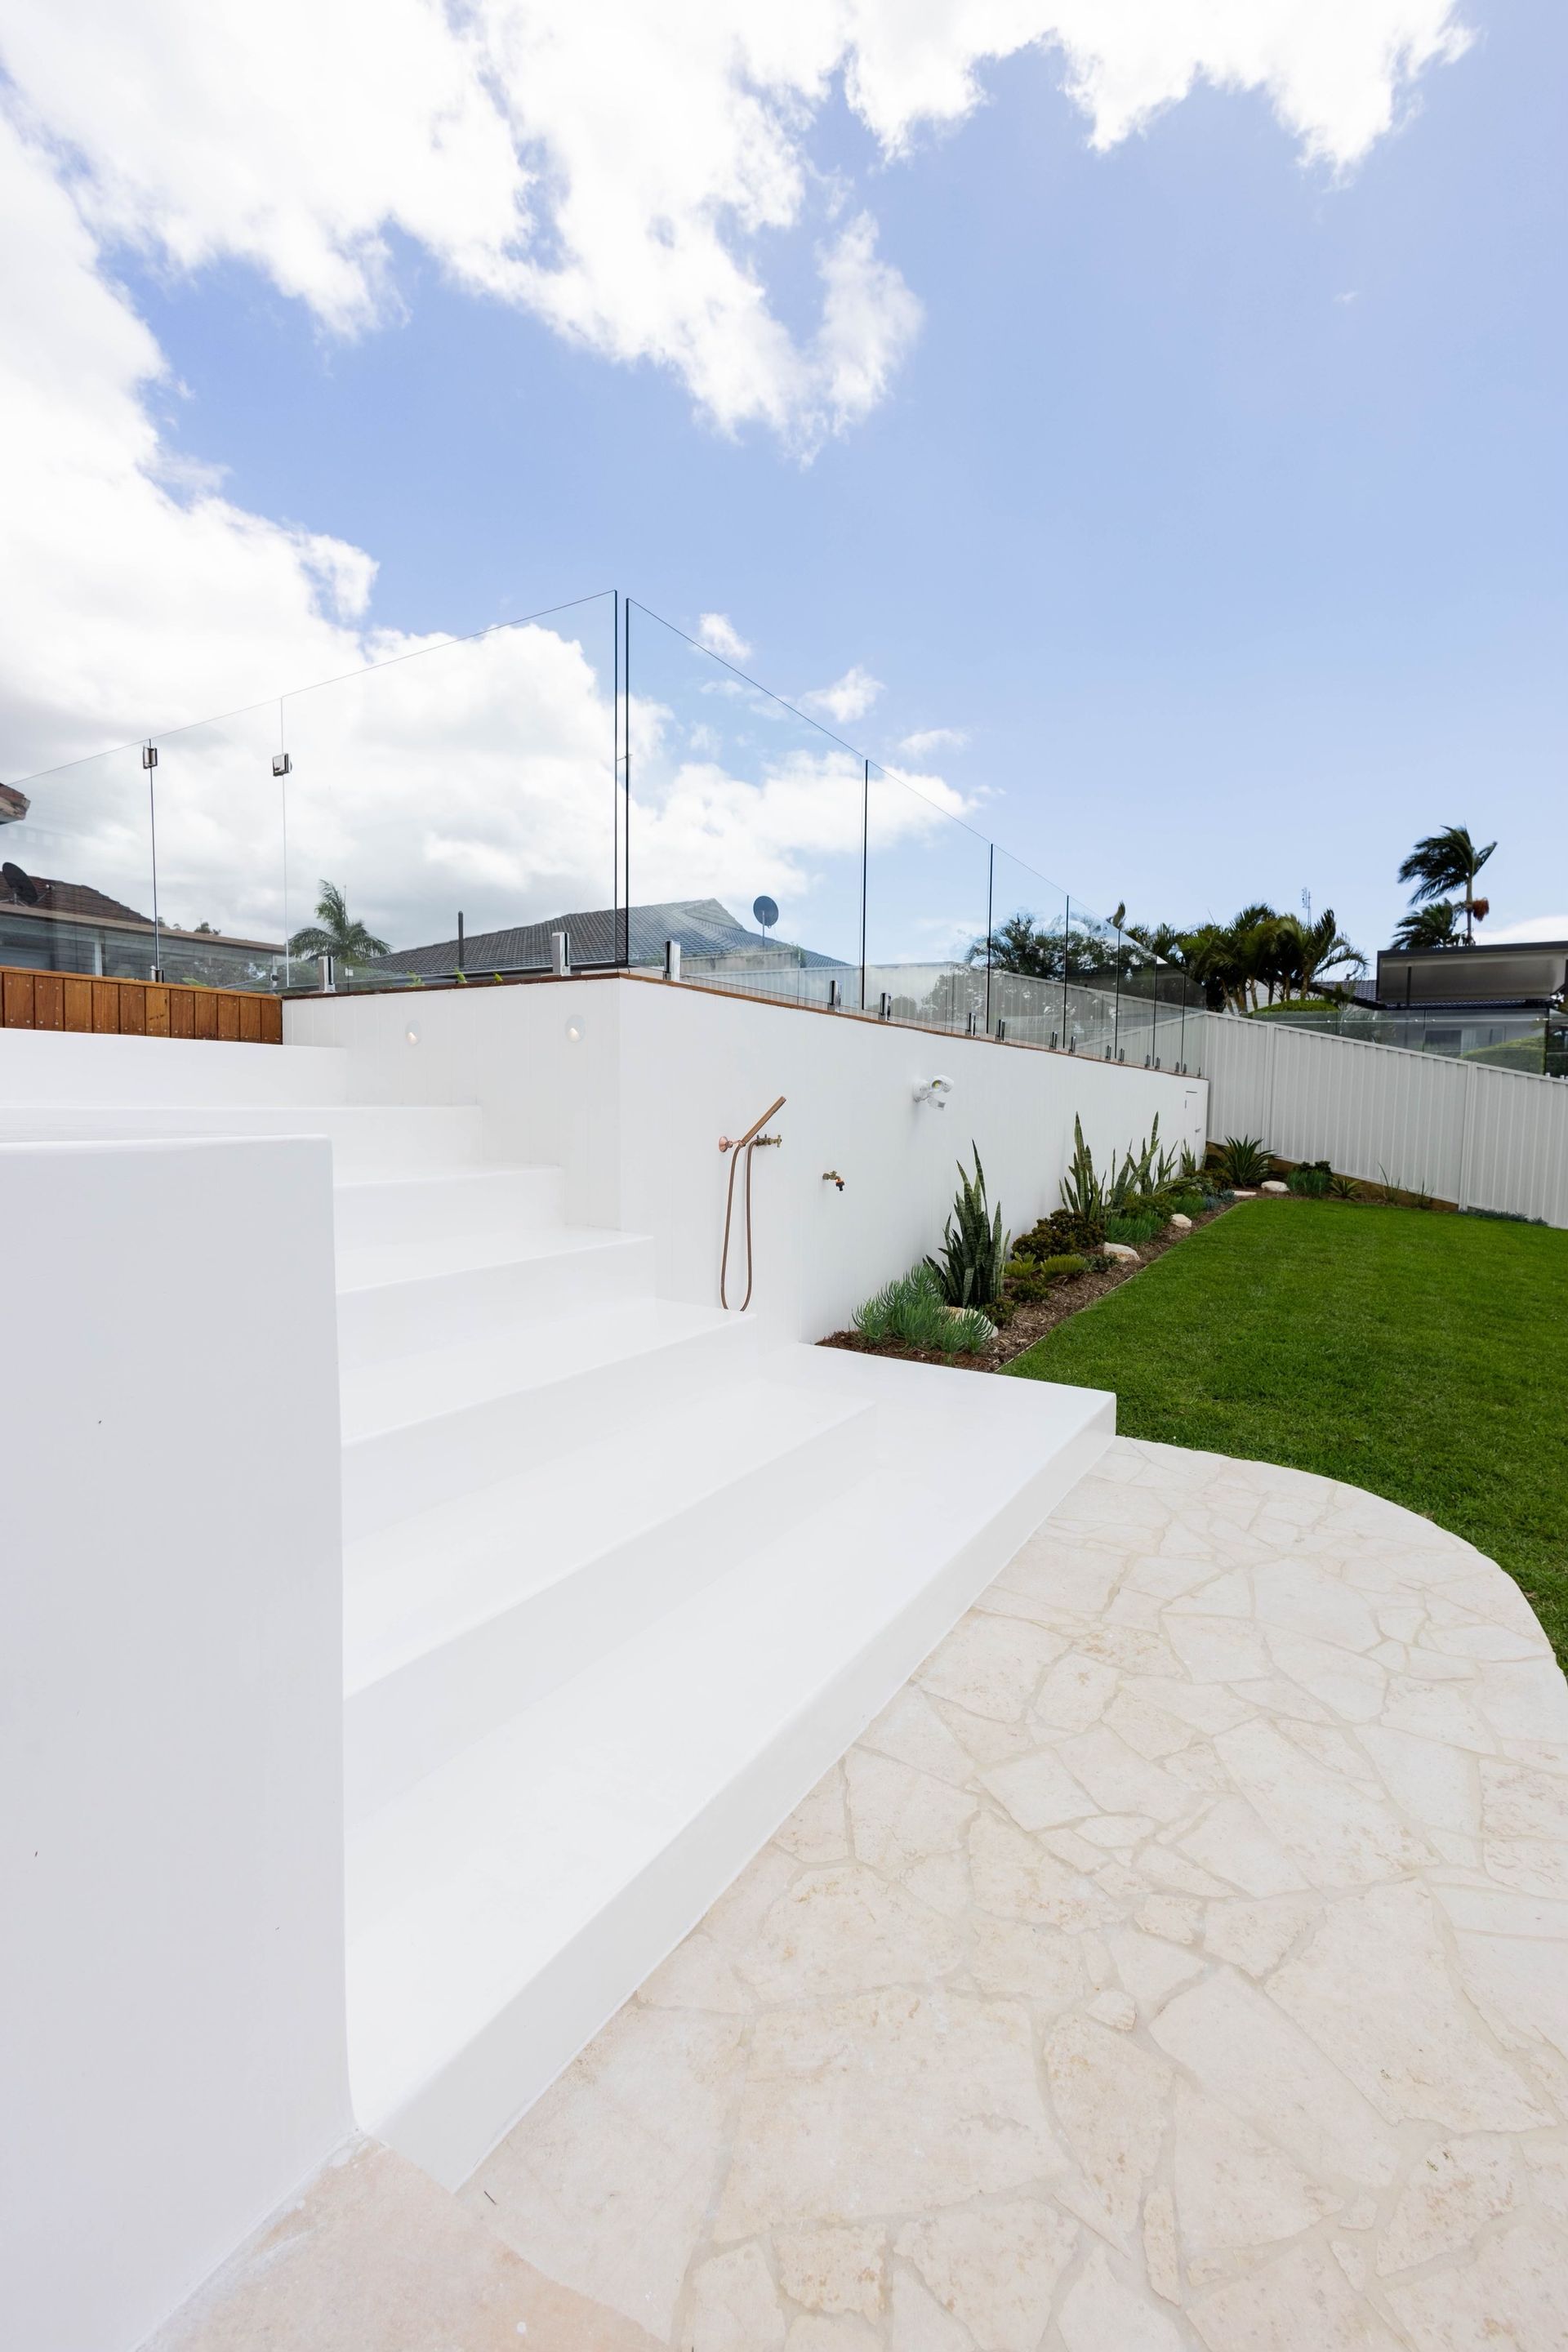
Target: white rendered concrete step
{"x":371,"y":1212}
{"x":51,"y":1067}
{"x":399,"y":1298}
{"x":457,"y":1619}
{"x":421,"y":1429}
{"x":501,"y":1909}
{"x":366,"y":1138}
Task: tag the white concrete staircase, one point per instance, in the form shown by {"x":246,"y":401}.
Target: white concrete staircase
{"x":619,"y":1584}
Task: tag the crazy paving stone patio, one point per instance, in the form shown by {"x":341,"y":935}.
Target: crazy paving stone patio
{"x":1180,"y":1961}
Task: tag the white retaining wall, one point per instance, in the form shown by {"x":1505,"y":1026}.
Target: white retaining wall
{"x":629,"y":1083}
{"x":173,"y":2054}
{"x":1485,"y":1139}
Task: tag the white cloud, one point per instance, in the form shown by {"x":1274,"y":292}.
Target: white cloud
{"x":1539,"y":926}
{"x":719,"y":634}
{"x":473,"y":774}
{"x":927,"y":740}
{"x":625,"y":172}
{"x":631,"y":176}
{"x":849,"y":699}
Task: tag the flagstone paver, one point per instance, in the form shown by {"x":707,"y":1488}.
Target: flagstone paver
{"x":1180,"y":1962}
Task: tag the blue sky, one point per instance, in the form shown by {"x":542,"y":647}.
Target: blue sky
{"x":1218,"y":501}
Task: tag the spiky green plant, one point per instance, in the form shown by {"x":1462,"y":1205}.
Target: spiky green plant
{"x":1243,"y":1161}
{"x":1136,"y":1230}
{"x":913,"y":1311}
{"x":974,"y":1247}
{"x":1083,"y":1193}
{"x":1142,"y":1170}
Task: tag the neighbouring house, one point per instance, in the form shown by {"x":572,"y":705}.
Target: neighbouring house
{"x":606,"y":935}
{"x":50,"y":925}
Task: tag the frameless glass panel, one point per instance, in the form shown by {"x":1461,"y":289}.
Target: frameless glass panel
{"x":1093,"y":973}
{"x":927,"y":892}
{"x":1138,"y":1011}
{"x":745,"y":827}
{"x":77,"y":891}
{"x":223,"y":921}
{"x":1028,"y":931}
{"x":1171,"y":991}
{"x":455,"y":807}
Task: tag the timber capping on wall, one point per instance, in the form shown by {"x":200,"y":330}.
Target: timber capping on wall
{"x":136,"y":1008}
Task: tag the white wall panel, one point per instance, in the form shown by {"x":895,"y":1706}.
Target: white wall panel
{"x":628,"y":1084}
{"x":1484,"y":1138}
{"x":173,"y":2050}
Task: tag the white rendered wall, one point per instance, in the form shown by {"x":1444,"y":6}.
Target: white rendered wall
{"x":172,"y":2035}
{"x":1483,"y":1137}
{"x":634,"y":1103}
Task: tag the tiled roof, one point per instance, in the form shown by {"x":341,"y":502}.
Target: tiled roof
{"x":702,"y":926}
{"x":76,"y":898}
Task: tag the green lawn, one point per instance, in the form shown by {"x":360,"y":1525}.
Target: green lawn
{"x":1424,"y":1357}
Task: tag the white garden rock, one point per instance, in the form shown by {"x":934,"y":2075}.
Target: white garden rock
{"x":1181,"y":1224}
{"x":1243,"y":1196}
{"x":1274,"y":1185}
{"x":1120,"y":1250}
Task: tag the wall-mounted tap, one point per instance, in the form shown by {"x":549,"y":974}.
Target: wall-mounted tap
{"x":934,"y":1091}
{"x":831,"y":1176}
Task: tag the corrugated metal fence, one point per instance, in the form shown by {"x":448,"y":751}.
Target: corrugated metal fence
{"x":1484,"y":1138}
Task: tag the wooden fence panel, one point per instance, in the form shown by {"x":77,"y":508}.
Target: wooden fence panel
{"x":135,"y":1008}
{"x":16,"y":1000}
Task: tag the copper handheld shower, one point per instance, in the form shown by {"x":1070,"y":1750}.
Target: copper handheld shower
{"x":753,"y":1140}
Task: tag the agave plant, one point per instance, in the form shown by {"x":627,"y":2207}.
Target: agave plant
{"x":1243,"y":1161}
{"x":974,"y":1247}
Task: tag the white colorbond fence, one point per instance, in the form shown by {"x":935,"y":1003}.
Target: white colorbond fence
{"x":1484,"y":1138}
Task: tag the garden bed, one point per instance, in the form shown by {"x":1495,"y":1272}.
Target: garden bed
{"x":1028,"y":1322}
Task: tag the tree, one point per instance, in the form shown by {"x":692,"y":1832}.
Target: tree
{"x":335,"y":934}
{"x":1159,"y":939}
{"x":1020,"y":944}
{"x":1447,"y":861}
{"x":1321,"y":947}
{"x":1431,"y":927}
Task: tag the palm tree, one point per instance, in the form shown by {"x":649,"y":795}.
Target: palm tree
{"x":1159,"y":939}
{"x":335,"y":934}
{"x":1319,"y":949}
{"x":1447,"y":861}
{"x":1210,"y":959}
{"x":1430,"y":927}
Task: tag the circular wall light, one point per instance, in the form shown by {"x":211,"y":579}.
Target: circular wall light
{"x":412,"y":1032}
{"x":575,"y":1030}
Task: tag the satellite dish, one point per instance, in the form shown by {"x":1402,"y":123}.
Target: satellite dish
{"x":20,"y":886}
{"x":766,"y":912}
